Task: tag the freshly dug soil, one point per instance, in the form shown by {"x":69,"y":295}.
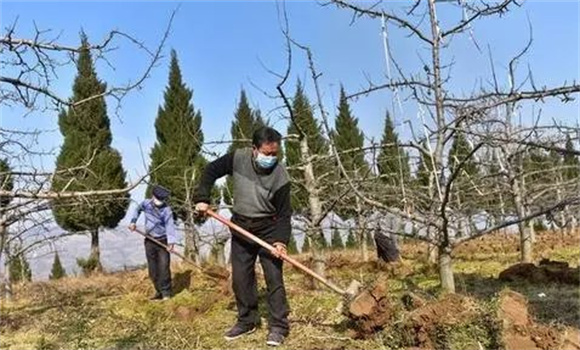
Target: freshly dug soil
{"x":370,"y":311}
{"x":519,"y":330}
{"x":546,"y":271}
{"x":452,"y":309}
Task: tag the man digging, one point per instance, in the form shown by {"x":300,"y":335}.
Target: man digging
{"x":262,"y":206}
{"x":159,"y":224}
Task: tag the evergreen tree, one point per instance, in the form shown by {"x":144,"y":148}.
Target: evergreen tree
{"x":245,"y":122}
{"x":393,"y":164}
{"x":6,"y":182}
{"x":304,"y":120}
{"x":469,"y":172}
{"x":15,"y":269}
{"x":424,"y":177}
{"x":87,"y":140}
{"x":541,"y":167}
{"x":19,"y":269}
{"x":176,"y":156}
{"x":26,"y":270}
{"x":571,"y":162}
{"x":424,"y":169}
{"x":243,"y":125}
{"x":259,"y":121}
{"x":306,"y":245}
{"x":57,"y":271}
{"x":347,"y":136}
{"x":292,"y":249}
{"x":336,"y":241}
{"x":350,"y":240}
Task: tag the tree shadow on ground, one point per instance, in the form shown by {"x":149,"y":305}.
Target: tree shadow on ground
{"x":550,"y":303}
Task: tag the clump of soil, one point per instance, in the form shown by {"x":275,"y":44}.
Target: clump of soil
{"x":546,"y":271}
{"x":412,"y":301}
{"x":519,"y":330}
{"x":570,"y":339}
{"x":370,"y":311}
{"x":450,"y":310}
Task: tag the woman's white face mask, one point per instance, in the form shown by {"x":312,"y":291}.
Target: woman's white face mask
{"x":157,"y":202}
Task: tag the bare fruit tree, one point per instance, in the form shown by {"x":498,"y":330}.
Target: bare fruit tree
{"x":459,"y":131}
{"x":30,"y":68}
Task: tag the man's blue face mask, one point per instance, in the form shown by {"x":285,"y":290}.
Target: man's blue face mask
{"x":265,"y":162}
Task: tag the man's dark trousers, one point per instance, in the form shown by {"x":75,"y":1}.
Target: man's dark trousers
{"x":243,"y":258}
{"x":158,"y":264}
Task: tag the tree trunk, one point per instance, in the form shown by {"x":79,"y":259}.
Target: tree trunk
{"x":532,"y":230}
{"x":364,"y":249}
{"x":431,"y":248}
{"x":446,"y":269}
{"x":573,"y":223}
{"x":191,"y":250}
{"x":525,"y":243}
{"x":95,"y":251}
{"x":3,"y":237}
{"x":319,"y":263}
{"x":525,"y":238}
{"x":315,"y":207}
{"x":5,"y":285}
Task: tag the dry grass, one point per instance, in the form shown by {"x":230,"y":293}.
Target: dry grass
{"x":112,"y":311}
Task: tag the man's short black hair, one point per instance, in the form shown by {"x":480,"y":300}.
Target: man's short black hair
{"x":265,"y":135}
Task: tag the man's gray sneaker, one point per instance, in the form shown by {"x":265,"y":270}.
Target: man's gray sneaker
{"x":275,"y":339}
{"x":238,"y":330}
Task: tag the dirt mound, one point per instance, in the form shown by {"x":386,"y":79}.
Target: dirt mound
{"x":546,"y":271}
{"x":519,"y":330}
{"x":570,"y":339}
{"x":370,"y":311}
{"x":450,"y":310}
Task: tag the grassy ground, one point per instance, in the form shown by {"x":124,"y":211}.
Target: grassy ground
{"x":112,"y":311}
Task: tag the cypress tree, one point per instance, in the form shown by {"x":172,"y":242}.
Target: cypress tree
{"x":540,"y":166}
{"x":176,"y":157}
{"x":19,"y":269}
{"x":292,"y":249}
{"x":15,"y":269}
{"x":6,"y":182}
{"x":469,"y":172}
{"x":26,"y":270}
{"x":303,"y":120}
{"x":571,"y":162}
{"x":424,"y":169}
{"x":347,"y":136}
{"x":423,"y":178}
{"x":243,"y":125}
{"x":245,"y":122}
{"x":57,"y":270}
{"x":350,"y":240}
{"x":393,"y":163}
{"x":87,"y":140}
{"x":336,"y":241}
